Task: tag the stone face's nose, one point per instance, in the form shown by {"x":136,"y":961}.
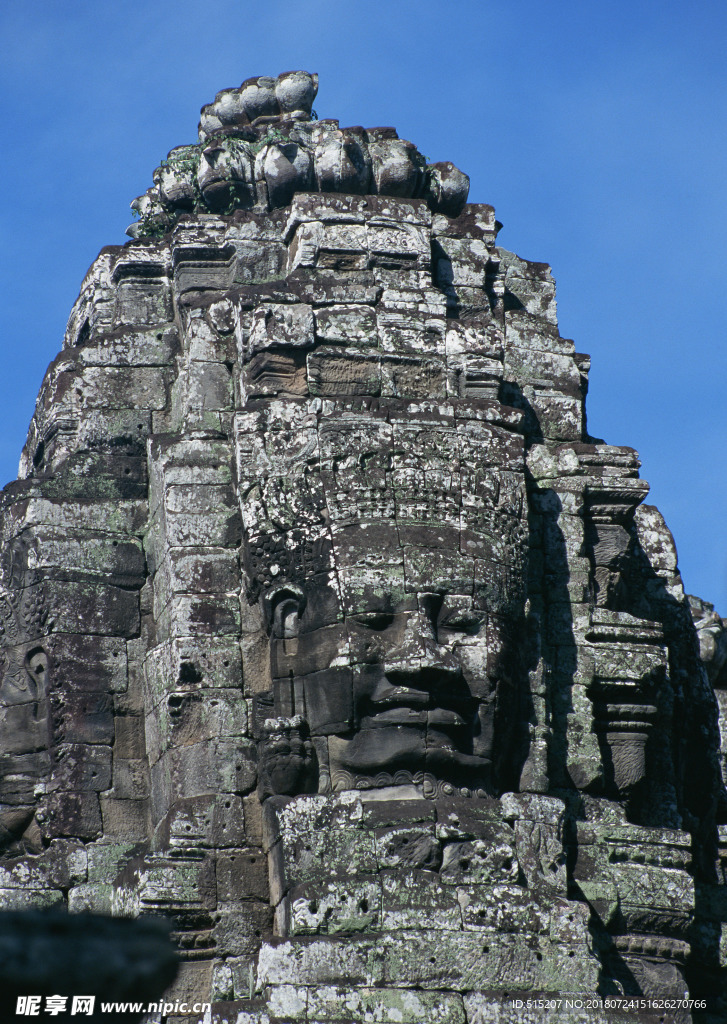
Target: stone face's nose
{"x":419,"y":657}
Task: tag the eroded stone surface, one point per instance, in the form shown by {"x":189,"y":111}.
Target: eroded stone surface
{"x":328,"y":631}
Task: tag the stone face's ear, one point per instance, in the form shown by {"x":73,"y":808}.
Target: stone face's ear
{"x":283,"y":607}
{"x":36,"y":662}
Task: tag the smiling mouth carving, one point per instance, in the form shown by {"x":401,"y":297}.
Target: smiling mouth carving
{"x":423,"y":723}
{"x":405,"y":705}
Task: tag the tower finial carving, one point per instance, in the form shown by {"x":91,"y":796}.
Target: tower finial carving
{"x":262,"y":143}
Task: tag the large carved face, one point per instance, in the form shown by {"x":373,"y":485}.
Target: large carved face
{"x":399,"y":687}
{"x":387,"y":553}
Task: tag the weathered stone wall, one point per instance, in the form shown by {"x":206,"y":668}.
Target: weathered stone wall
{"x":328,"y":630}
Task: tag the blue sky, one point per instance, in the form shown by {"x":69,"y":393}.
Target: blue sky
{"x":596,"y":130}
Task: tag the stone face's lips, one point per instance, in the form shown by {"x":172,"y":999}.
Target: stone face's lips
{"x":412,"y":727}
{"x":402,"y":714}
{"x":404,"y":695}
{"x":390,"y":747}
{"x":403,"y":705}
{"x":396,"y":715}
{"x":444,"y":717}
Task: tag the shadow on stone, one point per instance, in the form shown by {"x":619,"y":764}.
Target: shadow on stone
{"x":111,"y":960}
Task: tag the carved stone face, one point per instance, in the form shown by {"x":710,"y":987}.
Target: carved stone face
{"x":400,"y":686}
{"x":24,"y":761}
{"x":389,"y":593}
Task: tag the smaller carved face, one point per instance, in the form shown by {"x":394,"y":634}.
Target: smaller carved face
{"x":24,"y":743}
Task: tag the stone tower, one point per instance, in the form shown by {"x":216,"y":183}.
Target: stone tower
{"x":329,"y":632}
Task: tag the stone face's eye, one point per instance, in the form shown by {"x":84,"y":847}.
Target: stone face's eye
{"x":461,"y":622}
{"x":375,"y":620}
